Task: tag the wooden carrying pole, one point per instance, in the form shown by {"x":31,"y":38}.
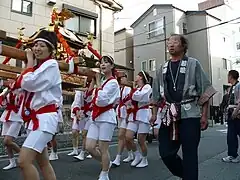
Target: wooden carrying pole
{"x":21,"y":55}
{"x":13,"y":75}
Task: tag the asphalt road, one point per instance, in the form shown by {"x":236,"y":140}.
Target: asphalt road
{"x":212,"y":149}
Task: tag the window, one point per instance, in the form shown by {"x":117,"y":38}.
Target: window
{"x":22,"y":6}
{"x":82,"y":25}
{"x":144,"y":66}
{"x":156,"y":28}
{"x":224,"y":63}
{"x":238,"y":45}
{"x":152,"y":65}
{"x":184,"y":28}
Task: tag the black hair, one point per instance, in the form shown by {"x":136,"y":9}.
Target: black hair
{"x":120,"y":77}
{"x":147,"y":79}
{"x":234,"y":74}
{"x":111,"y":61}
{"x":183,"y":40}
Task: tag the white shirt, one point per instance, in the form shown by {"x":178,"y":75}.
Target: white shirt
{"x":16,"y":117}
{"x":60,"y":108}
{"x":123,"y":110}
{"x":45,"y":82}
{"x":142,"y":96}
{"x":108,"y":95}
{"x":77,"y":103}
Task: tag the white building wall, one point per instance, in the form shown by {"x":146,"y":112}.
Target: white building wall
{"x":11,"y":21}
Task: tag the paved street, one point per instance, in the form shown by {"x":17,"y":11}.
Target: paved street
{"x":212,"y":149}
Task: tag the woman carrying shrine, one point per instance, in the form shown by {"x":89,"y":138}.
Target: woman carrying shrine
{"x":139,"y":116}
{"x":105,"y":95}
{"x":41,"y":81}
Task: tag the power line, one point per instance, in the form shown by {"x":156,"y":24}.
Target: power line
{"x":162,"y":26}
{"x":192,"y":32}
{"x":171,"y":22}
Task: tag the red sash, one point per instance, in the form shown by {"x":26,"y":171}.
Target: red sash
{"x":97,"y":111}
{"x":29,"y":114}
{"x":11,"y":106}
{"x":135,"y":108}
{"x":87,"y":105}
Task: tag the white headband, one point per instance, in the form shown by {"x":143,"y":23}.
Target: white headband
{"x":145,"y":76}
{"x":44,"y":40}
{"x":109,"y":57}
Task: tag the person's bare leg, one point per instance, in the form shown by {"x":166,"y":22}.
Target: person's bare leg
{"x":144,"y":150}
{"x":45,"y":166}
{"x":8,"y":143}
{"x":84,"y":139}
{"x":156,"y":130}
{"x":130,"y":140}
{"x":105,"y":157}
{"x":91,"y":147}
{"x":130,"y":143}
{"x":121,"y":145}
{"x":54,"y":144}
{"x":81,"y":155}
{"x":75,"y":141}
{"x":26,"y":158}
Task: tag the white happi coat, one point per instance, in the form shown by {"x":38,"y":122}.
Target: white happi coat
{"x":77,"y":103}
{"x":60,"y":108}
{"x":45,"y":83}
{"x":107,"y":95}
{"x":10,"y":115}
{"x":142,"y":96}
{"x":122,"y":113}
{"x":88,"y":96}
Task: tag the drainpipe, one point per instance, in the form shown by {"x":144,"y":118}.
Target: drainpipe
{"x":100,"y":26}
{"x":165,"y":37}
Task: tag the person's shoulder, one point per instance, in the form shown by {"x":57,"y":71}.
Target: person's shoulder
{"x":192,"y":59}
{"x":238,"y":85}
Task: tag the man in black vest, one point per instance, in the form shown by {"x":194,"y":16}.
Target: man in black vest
{"x":233,"y":118}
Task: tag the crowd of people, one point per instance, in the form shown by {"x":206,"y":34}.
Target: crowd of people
{"x":174,"y":103}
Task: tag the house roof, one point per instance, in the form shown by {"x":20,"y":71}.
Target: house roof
{"x":113,"y":4}
{"x":122,"y":30}
{"x":150,"y":9}
{"x":201,"y":13}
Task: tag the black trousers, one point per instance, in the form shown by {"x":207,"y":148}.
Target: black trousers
{"x":232,"y":136}
{"x":189,"y":138}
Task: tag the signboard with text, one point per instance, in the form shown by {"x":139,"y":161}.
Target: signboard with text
{"x":209,"y":4}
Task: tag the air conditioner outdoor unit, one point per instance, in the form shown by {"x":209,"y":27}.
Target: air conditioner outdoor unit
{"x":51,"y":2}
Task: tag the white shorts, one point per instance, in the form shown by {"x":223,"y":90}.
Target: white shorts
{"x":11,"y":128}
{"x":102,"y":131}
{"x":87,"y":124}
{"x":78,"y":125}
{"x":139,"y":127}
{"x":122,"y":123}
{"x":37,"y":140}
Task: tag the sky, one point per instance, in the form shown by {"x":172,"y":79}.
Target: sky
{"x":135,"y":8}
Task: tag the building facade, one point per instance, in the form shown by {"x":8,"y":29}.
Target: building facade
{"x":123,"y":53}
{"x":159,"y":21}
{"x":91,"y":16}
